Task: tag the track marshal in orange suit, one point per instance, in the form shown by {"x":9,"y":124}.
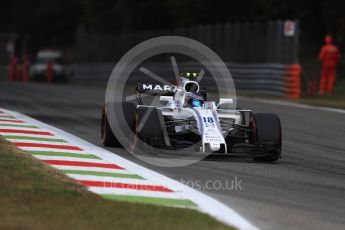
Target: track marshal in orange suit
{"x":329,"y":57}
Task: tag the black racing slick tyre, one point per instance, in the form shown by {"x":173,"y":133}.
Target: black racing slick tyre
{"x":151,"y":118}
{"x":149,"y":128}
{"x":267,"y":137}
{"x":107,"y":135}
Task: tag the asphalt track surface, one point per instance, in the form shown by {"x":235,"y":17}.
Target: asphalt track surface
{"x":304,"y":190}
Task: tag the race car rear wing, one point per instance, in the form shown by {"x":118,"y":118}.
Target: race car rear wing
{"x":156,"y":89}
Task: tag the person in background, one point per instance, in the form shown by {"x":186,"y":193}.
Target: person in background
{"x":13,"y":68}
{"x":25,"y":68}
{"x":49,"y":72}
{"x":329,"y":58}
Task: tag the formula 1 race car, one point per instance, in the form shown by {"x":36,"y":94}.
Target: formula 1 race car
{"x":185,"y":117}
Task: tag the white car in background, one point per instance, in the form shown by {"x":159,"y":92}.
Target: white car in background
{"x":38,"y":71}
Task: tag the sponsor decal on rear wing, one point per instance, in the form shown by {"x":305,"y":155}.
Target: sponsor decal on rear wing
{"x":156,"y":89}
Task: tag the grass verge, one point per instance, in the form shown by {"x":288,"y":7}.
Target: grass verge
{"x":337,"y":100}
{"x":325,"y":101}
{"x":36,"y":196}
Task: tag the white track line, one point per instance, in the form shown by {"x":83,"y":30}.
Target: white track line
{"x":294,"y":104}
{"x":205,"y":203}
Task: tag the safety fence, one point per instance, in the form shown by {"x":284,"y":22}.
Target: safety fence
{"x":248,"y":42}
{"x":268,"y":79}
{"x":262,"y":56}
{"x":14,"y":73}
{"x":3,"y":72}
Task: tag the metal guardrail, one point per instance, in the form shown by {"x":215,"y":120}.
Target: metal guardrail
{"x":268,"y":79}
{"x":3,"y":72}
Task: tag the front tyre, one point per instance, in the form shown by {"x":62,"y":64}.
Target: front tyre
{"x":267,"y":137}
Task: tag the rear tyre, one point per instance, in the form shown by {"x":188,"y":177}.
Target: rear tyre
{"x":149,"y":128}
{"x":107,"y":135}
{"x":267,"y":137}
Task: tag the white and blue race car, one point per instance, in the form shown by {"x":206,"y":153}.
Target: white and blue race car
{"x":184,"y":118}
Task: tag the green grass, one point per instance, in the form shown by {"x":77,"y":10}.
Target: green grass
{"x":36,"y":196}
{"x":323,"y":101}
{"x":337,"y":100}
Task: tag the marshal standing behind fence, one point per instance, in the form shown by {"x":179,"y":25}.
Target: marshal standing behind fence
{"x":329,"y":57}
